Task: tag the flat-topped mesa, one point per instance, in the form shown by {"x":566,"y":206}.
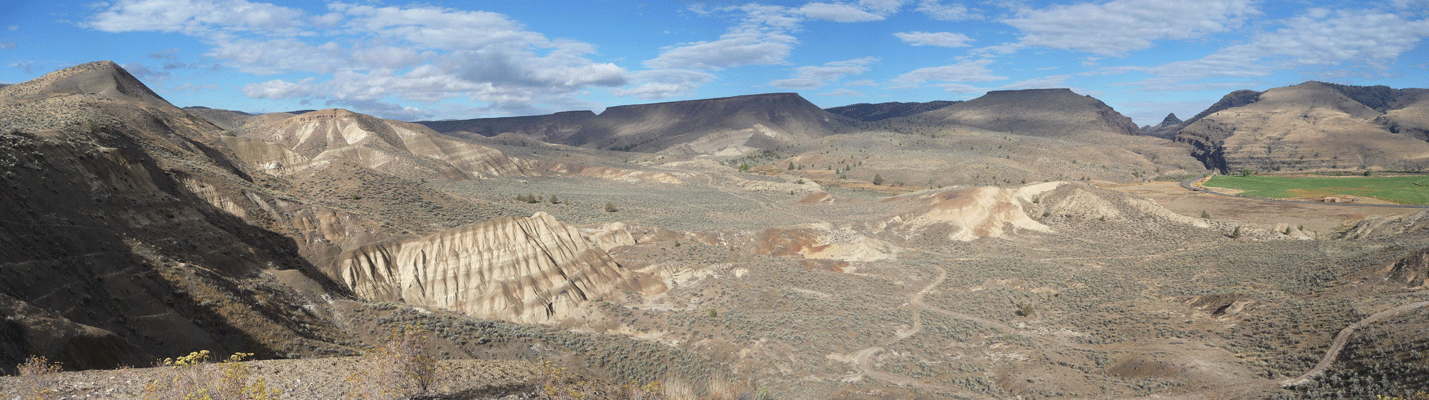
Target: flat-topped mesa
{"x":550,"y":128}
{"x":1035,"y":112}
{"x":720,"y":126}
{"x":521,"y":269}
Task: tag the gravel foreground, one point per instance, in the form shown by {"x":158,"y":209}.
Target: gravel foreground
{"x":327,"y":378}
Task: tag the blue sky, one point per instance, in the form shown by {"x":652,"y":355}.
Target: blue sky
{"x":444,"y":60}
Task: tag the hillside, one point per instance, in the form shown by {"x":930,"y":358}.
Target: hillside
{"x":1313,"y":126}
{"x":875,"y":112}
{"x":314,"y":140}
{"x":709,"y":127}
{"x":1034,"y":112}
{"x":900,"y":258}
{"x":141,"y":254}
{"x":553,"y":128}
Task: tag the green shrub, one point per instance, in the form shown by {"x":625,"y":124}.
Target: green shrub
{"x":610,"y":207}
{"x":1025,"y":309}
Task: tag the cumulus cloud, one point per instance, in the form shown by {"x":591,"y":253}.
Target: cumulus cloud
{"x":1364,"y":40}
{"x":935,"y":9}
{"x":818,"y":76}
{"x":883,"y":6}
{"x":842,"y":92}
{"x":749,"y":47}
{"x":6,"y":45}
{"x":196,"y":17}
{"x":662,"y":84}
{"x":940,"y":39}
{"x":970,"y":71}
{"x":838,"y":12}
{"x":376,"y":56}
{"x":1118,"y":27}
{"x":279,"y":89}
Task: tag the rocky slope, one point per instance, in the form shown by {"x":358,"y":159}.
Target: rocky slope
{"x":1034,"y":112}
{"x":1313,"y":126}
{"x":116,"y":249}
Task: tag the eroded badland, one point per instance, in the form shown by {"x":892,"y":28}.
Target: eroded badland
{"x":1025,"y":244}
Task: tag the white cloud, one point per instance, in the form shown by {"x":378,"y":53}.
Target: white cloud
{"x":862,"y":82}
{"x":662,"y":84}
{"x":441,"y":28}
{"x":1120,"y":26}
{"x":1366,"y":41}
{"x":196,"y":17}
{"x":6,"y":45}
{"x":760,"y":38}
{"x":971,"y":71}
{"x":817,"y":76}
{"x":843,"y":92}
{"x":378,"y":56}
{"x":838,"y":12}
{"x":940,"y":39}
{"x":750,"y":47}
{"x":1053,"y":81}
{"x":883,"y":6}
{"x":279,"y":89}
{"x":960,"y":88}
{"x":935,"y":9}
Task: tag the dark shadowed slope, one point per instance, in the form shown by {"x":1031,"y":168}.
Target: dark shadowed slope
{"x":722,"y":126}
{"x":1034,"y":112}
{"x":116,"y":251}
{"x":875,"y":112}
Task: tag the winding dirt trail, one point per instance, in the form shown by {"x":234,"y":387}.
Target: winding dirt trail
{"x":863,"y":359}
{"x":1343,"y":338}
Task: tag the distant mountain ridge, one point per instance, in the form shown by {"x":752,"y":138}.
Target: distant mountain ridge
{"x":1313,"y":126}
{"x":720,"y":126}
{"x":876,"y":112}
{"x":1166,"y":129}
{"x":1034,"y":112}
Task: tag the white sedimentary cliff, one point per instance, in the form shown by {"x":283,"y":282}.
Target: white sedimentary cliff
{"x":523,"y":269}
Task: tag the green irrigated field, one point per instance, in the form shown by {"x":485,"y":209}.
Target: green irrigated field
{"x":1398,"y":189}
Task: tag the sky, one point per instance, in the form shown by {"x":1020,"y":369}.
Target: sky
{"x":473,"y":59}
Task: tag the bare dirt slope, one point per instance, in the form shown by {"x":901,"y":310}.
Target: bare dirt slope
{"x":1035,"y":112}
{"x":146,"y":236}
{"x":1312,"y":126}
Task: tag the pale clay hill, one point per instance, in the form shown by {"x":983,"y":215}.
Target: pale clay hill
{"x":521,"y":269}
{"x":153,"y":232}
